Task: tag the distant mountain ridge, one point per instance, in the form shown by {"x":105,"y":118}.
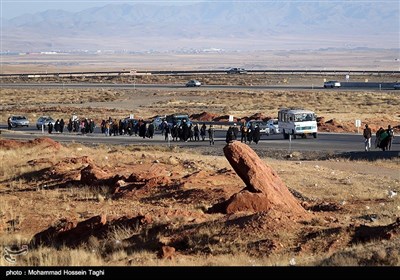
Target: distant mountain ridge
{"x":227,"y":25}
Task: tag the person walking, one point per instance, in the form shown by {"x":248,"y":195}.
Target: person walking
{"x":367,"y":138}
{"x":9,"y":123}
{"x":62,"y":124}
{"x":167,"y":131}
{"x":211,"y":133}
{"x":230,"y":136}
{"x":50,"y":127}
{"x":256,"y":134}
{"x":203,"y":132}
{"x":390,"y":132}
{"x":196,"y":132}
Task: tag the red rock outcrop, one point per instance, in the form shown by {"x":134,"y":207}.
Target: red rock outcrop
{"x":73,"y":234}
{"x":204,"y":116}
{"x":44,"y":142}
{"x":264,"y":189}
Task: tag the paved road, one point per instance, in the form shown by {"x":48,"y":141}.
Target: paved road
{"x":326,"y":142}
{"x":174,"y":86}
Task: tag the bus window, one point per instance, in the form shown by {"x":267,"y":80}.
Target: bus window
{"x":309,"y":117}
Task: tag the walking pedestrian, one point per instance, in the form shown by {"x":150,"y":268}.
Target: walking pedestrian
{"x":367,"y":138}
{"x":211,"y":133}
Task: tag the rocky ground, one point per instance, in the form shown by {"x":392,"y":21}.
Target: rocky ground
{"x":141,"y":205}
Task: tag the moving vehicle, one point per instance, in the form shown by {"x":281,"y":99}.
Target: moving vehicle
{"x":295,"y":122}
{"x":332,"y":84}
{"x":264,"y":129}
{"x":17,"y":121}
{"x":396,"y":86}
{"x":236,"y":71}
{"x":193,"y":83}
{"x":273,"y":126}
{"x":44,"y":120}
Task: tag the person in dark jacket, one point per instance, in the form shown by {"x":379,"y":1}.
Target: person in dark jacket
{"x":230,"y":136}
{"x":150,"y":130}
{"x":196,"y":132}
{"x":203,"y":132}
{"x":142,"y":129}
{"x":185,"y":131}
{"x":256,"y":134}
{"x":50,"y":127}
{"x":62,"y":123}
{"x":9,"y":123}
{"x":167,"y":132}
{"x":367,"y":133}
{"x":57,"y":126}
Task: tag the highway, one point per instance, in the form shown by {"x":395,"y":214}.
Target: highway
{"x":348,"y":86}
{"x":333,"y":143}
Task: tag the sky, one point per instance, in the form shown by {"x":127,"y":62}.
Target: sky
{"x":13,"y":8}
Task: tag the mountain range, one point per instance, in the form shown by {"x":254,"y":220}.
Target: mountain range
{"x":228,"y":25}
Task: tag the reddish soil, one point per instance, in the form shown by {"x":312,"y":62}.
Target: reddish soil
{"x":165,"y":203}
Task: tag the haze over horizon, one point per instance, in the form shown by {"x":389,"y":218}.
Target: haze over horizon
{"x":137,"y":26}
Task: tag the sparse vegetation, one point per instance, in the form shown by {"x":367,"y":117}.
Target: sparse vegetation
{"x":32,"y":201}
{"x":41,"y":185}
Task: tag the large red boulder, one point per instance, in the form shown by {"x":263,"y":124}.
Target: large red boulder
{"x":264,"y":189}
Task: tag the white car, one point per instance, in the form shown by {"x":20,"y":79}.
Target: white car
{"x":193,"y":83}
{"x":273,"y":126}
{"x":332,"y":84}
{"x":17,"y":121}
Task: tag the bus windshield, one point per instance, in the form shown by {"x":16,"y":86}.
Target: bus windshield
{"x":304,"y":117}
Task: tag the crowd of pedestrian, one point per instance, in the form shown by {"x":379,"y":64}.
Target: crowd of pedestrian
{"x":383,"y":140}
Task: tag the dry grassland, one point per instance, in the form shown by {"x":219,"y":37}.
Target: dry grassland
{"x":31,"y":203}
{"x":378,"y":108}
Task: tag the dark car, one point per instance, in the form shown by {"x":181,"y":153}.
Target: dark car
{"x":193,"y":83}
{"x":177,"y":119}
{"x":236,"y":71}
{"x":44,"y":120}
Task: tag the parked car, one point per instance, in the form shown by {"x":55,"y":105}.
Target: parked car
{"x":332,"y":84}
{"x":273,"y":126}
{"x":396,"y":86}
{"x":157,"y":121}
{"x":236,"y":71}
{"x":193,"y":83}
{"x":44,"y":120}
{"x":17,"y":121}
{"x":176,"y":119}
{"x":264,"y":129}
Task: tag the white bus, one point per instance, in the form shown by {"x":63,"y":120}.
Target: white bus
{"x":297,"y":122}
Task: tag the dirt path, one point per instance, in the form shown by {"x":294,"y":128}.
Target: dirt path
{"x":366,"y":168}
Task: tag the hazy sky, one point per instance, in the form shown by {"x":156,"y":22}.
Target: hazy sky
{"x":13,"y":8}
